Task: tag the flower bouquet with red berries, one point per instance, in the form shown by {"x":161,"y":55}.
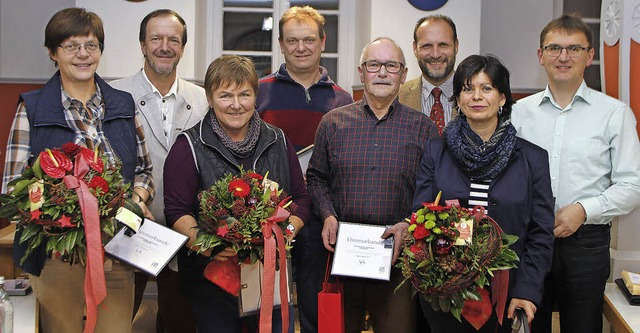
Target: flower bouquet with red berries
{"x":239,"y":212}
{"x":49,"y":198}
{"x":452,"y":254}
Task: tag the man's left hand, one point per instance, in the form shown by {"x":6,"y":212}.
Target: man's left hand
{"x":568,"y":219}
{"x":398,"y":231}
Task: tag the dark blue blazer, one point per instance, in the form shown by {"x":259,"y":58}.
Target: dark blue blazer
{"x":48,"y":128}
{"x":520,"y":200}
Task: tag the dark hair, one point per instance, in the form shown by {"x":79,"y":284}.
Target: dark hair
{"x":228,"y":70}
{"x":494,"y":69}
{"x":569,"y":23}
{"x":72,"y":22}
{"x":437,"y":17}
{"x":302,"y":14}
{"x":162,"y":12}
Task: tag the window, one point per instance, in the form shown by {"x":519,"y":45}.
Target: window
{"x":250,"y":28}
{"x":589,"y":10}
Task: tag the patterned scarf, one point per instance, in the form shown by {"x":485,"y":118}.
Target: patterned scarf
{"x":239,"y":149}
{"x":480,"y":160}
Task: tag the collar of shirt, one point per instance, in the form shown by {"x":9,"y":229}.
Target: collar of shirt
{"x":582,"y":94}
{"x":93,"y":105}
{"x":172,"y":91}
{"x":166,"y":104}
{"x":446,"y":87}
{"x":369,"y":113}
{"x":86,"y":121}
{"x":428,"y":99}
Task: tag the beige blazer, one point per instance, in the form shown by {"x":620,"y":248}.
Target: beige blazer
{"x":410,"y":94}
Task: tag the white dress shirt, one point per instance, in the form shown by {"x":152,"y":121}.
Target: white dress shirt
{"x":428,"y":99}
{"x":166,"y":103}
{"x":594,"y":152}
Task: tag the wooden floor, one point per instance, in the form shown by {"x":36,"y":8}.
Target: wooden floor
{"x":145,"y":321}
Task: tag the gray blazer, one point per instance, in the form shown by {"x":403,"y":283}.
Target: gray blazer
{"x":190,"y":107}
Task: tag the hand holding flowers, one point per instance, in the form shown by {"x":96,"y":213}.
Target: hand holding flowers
{"x":245,"y":214}
{"x":65,"y":202}
{"x":48,"y":208}
{"x":451,"y":254}
{"x":234,"y":214}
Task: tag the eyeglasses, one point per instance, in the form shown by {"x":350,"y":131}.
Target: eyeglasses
{"x":75,"y":48}
{"x":373,"y":66}
{"x":574,"y":51}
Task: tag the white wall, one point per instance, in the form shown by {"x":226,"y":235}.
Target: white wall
{"x":511,"y":31}
{"x":396,"y":19}
{"x":23,"y":57}
{"x":121,"y":19}
{"x":507,"y":28}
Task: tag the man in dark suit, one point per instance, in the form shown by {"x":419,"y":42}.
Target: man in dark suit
{"x":435,"y":45}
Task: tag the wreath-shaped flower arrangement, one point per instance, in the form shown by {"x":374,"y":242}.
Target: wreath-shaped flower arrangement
{"x":47,"y":206}
{"x":234,"y":210}
{"x":237,"y":212}
{"x":451,"y":253}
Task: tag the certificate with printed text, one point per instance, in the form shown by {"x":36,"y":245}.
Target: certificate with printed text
{"x":360,"y":252}
{"x":149,"y":249}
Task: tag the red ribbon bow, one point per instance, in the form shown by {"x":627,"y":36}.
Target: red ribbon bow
{"x":269,"y":229}
{"x":499,"y":288}
{"x":95,"y":288}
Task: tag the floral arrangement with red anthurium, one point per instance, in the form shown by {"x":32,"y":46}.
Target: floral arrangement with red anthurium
{"x":47,"y":207}
{"x":452,"y":254}
{"x":66,"y":201}
{"x":248,"y":213}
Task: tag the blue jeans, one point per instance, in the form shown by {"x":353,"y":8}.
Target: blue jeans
{"x":309,"y":259}
{"x":577,"y":280}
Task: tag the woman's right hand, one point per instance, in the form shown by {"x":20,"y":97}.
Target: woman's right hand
{"x":225,"y":254}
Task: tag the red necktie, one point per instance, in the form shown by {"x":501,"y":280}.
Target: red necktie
{"x":437,"y":112}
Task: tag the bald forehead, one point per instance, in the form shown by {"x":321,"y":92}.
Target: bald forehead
{"x":383,"y":48}
{"x":436,"y":26}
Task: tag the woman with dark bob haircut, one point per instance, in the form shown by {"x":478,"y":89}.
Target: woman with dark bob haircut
{"x":480,"y":161}
{"x":77,"y":105}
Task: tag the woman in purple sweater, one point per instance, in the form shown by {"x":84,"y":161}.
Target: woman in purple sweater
{"x":230,"y":137}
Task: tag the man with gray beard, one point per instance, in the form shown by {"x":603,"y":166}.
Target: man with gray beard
{"x":435,"y":45}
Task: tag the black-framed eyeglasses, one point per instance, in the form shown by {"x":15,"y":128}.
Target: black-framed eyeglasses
{"x":91,"y":47}
{"x":373,"y":66}
{"x":574,"y":51}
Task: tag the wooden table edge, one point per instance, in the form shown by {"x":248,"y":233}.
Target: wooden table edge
{"x":614,"y":317}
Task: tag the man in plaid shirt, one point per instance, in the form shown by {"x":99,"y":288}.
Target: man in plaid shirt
{"x":363,"y":170}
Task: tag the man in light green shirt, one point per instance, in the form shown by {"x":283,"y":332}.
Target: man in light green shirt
{"x":594,"y":159}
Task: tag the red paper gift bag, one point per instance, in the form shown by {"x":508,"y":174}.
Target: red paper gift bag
{"x":330,"y":305}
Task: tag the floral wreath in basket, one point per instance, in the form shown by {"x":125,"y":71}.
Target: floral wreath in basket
{"x":246,"y":212}
{"x":449,"y":256}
